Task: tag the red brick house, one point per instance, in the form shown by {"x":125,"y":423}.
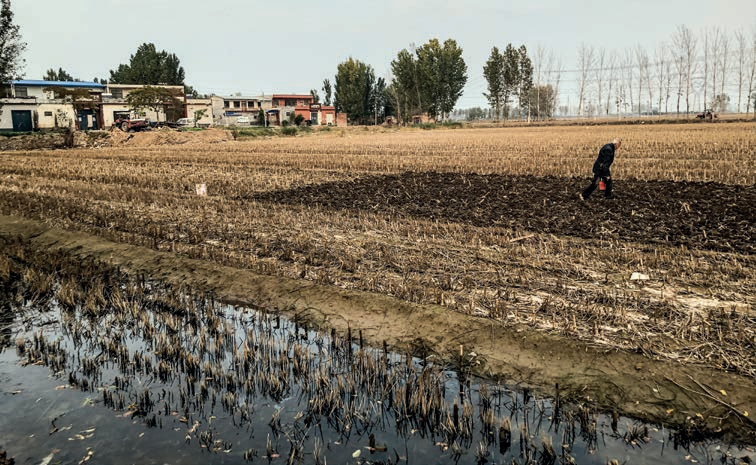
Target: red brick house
{"x":317,"y":114}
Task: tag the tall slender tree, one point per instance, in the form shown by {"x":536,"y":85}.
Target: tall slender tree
{"x":353,"y":89}
{"x":526,"y":81}
{"x":405,"y":86}
{"x":511,"y":76}
{"x":493,"y":72}
{"x":586,"y":62}
{"x":686,"y":45}
{"x":327,"y":91}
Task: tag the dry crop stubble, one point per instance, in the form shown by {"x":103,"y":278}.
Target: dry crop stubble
{"x":573,"y":286}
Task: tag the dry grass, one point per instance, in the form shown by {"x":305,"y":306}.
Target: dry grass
{"x":698,"y":307}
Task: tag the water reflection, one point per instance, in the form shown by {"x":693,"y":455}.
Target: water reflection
{"x":146,"y":372}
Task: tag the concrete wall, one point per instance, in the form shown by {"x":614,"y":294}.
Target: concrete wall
{"x":50,"y":112}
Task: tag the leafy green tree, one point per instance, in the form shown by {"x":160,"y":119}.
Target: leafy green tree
{"x":353,"y":90}
{"x":511,"y":76}
{"x":437,"y":73}
{"x":327,"y":91}
{"x":261,"y":117}
{"x":60,"y":75}
{"x":156,"y":99}
{"x":453,"y":76}
{"x":378,"y":100}
{"x":198,"y":114}
{"x":493,"y":72}
{"x":315,"y":96}
{"x":11,"y":46}
{"x":526,"y":81}
{"x":477,"y":113}
{"x":150,"y":67}
{"x":404,"y":89}
{"x":542,"y":101}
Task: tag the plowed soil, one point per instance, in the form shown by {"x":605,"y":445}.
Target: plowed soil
{"x":694,"y":214}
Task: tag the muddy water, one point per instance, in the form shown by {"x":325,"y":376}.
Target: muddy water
{"x":125,"y":370}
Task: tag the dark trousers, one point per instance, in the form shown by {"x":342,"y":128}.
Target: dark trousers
{"x":607,"y":181}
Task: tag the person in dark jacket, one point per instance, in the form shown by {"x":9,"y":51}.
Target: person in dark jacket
{"x":601,"y":169}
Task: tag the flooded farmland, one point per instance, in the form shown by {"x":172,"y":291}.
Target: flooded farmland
{"x":99,"y":365}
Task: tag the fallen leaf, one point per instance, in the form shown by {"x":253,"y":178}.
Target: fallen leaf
{"x":724,"y":393}
{"x":356,"y":453}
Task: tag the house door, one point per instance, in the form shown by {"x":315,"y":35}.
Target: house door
{"x":22,"y":120}
{"x":87,"y":120}
{"x":314,"y":118}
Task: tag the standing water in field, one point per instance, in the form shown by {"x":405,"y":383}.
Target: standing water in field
{"x":96,"y":365}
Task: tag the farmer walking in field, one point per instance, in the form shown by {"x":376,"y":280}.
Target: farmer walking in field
{"x":601,"y":169}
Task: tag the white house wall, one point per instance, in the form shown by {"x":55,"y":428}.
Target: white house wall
{"x":63,"y":112}
{"x":6,"y":120}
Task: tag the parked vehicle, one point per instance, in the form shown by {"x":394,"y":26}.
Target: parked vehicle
{"x":242,"y":120}
{"x":185,"y":122}
{"x":127,"y":124}
{"x":707,"y":114}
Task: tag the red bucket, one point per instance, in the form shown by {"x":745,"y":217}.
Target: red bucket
{"x":602,"y":185}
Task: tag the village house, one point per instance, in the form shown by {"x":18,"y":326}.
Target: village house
{"x":115,"y":105}
{"x":238,"y":110}
{"x":203,"y":105}
{"x":28,"y":105}
{"x":288,"y":106}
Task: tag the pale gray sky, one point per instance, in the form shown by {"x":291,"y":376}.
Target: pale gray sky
{"x":255,"y":47}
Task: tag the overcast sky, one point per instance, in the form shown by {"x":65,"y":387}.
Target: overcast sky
{"x":256,"y":47}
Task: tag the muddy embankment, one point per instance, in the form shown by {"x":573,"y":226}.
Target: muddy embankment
{"x":109,"y":138}
{"x":659,"y":391}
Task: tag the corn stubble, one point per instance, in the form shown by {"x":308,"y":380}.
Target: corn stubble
{"x":697,"y":306}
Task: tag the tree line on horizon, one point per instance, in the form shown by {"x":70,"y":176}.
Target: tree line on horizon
{"x":682,"y":74}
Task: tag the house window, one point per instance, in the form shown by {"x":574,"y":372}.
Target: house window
{"x":225,"y":104}
{"x":237,"y":104}
{"x":21,"y":92}
{"x":290,"y":102}
{"x":48,"y":113}
{"x":117,"y":93}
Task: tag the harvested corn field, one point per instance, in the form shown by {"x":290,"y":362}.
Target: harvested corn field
{"x":483,"y":224}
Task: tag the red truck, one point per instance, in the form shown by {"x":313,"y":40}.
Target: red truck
{"x":127,"y":124}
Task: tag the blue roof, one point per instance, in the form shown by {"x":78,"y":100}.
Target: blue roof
{"x":36,"y":82}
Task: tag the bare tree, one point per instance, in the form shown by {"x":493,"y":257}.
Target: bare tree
{"x":641,"y":57}
{"x":600,"y":75}
{"x":612,"y":79}
{"x":686,"y":44}
{"x":741,"y":43}
{"x":553,"y":76}
{"x":679,"y":61}
{"x":627,"y":73}
{"x":708,"y":43}
{"x":586,"y":61}
{"x":723,"y":63}
{"x":751,"y":74}
{"x":668,"y":65}
{"x":660,"y":66}
{"x":715,"y":51}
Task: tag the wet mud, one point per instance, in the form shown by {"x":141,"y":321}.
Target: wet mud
{"x":659,"y":391}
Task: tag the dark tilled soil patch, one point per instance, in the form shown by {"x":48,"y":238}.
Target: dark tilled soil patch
{"x":700,"y":215}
